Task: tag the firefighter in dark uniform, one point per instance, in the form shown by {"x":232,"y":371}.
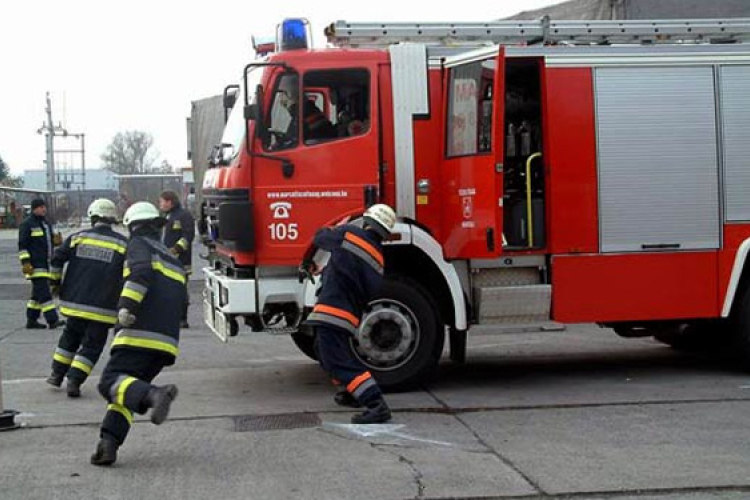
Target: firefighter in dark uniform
{"x":148,"y":331}
{"x":88,"y":294}
{"x":178,"y":236}
{"x":36,"y":241}
{"x":351,"y":278}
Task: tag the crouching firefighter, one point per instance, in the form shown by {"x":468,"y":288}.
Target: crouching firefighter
{"x":88,"y":294}
{"x":350,"y":280}
{"x":148,"y":330}
{"x":36,"y":241}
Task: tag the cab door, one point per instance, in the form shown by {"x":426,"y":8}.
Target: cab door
{"x":474,"y":97}
{"x":322,"y":125}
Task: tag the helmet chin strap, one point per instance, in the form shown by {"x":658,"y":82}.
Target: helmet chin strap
{"x":376,"y":228}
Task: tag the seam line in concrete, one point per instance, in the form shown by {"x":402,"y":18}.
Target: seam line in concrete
{"x":504,"y":460}
{"x":676,"y":493}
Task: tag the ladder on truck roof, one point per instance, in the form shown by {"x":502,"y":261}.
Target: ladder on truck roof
{"x":381,"y":35}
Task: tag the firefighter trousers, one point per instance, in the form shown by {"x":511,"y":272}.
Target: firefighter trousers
{"x":80,"y":346}
{"x":125,"y":384}
{"x":332,"y":347}
{"x":41,"y":302}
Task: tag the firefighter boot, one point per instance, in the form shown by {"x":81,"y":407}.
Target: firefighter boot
{"x":35,"y":325}
{"x":106,"y":452}
{"x":74,"y":388}
{"x":55,"y":379}
{"x":345,"y":398}
{"x":377,"y":412}
{"x":56,"y":324}
{"x":159,"y":399}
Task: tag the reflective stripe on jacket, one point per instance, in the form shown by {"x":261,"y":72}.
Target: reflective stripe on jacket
{"x":93,"y":262}
{"x":154,"y":291}
{"x":352,"y":277}
{"x":35,"y":245}
{"x":179,"y":233}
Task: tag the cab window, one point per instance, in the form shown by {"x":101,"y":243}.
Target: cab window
{"x":283,"y":118}
{"x":336,"y":105}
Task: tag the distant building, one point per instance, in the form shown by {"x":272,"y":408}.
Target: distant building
{"x":96,"y":180}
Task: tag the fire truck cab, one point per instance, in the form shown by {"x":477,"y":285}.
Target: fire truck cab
{"x":568,"y":172}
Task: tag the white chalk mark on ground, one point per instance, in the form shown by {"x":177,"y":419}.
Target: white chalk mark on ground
{"x":381,"y":430}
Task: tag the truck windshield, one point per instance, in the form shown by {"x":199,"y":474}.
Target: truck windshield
{"x":234,"y":131}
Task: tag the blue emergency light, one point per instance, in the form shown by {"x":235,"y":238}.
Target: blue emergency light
{"x":293,"y":34}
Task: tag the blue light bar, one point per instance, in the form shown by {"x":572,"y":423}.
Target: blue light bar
{"x":293,"y":34}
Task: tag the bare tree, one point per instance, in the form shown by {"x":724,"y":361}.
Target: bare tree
{"x":129,"y":153}
{"x":6,"y":179}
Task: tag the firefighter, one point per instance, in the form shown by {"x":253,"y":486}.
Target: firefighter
{"x":36,"y":242}
{"x":316,"y":125}
{"x":178,"y":235}
{"x":148,"y":331}
{"x":350,"y":279}
{"x":88,"y":294}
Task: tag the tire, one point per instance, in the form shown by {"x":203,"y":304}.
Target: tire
{"x":707,"y":337}
{"x":306,"y":344}
{"x":401,"y":335}
{"x":740,"y":331}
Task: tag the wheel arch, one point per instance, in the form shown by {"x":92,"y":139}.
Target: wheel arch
{"x":739,"y":279}
{"x":417,"y":255}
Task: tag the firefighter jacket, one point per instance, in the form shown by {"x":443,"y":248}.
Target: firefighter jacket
{"x":352,"y":277}
{"x":35,"y":245}
{"x":179,"y":232}
{"x":155,"y":292}
{"x":93,"y":276}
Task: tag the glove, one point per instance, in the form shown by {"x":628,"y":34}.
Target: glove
{"x":125,"y":317}
{"x":57,"y":239}
{"x":307,"y":270}
{"x":27,"y":268}
{"x":174,"y":251}
{"x":55,"y":289}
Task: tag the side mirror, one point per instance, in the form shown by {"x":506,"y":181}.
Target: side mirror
{"x":252,"y":112}
{"x":255,"y":113}
{"x":230,"y":98}
{"x":213,"y":156}
{"x":226,"y":154}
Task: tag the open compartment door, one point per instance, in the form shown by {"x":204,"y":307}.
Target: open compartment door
{"x":472,"y":166}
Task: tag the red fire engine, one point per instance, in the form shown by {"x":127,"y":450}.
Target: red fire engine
{"x":543,"y":171}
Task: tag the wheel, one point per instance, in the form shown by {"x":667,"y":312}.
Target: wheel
{"x":705,"y":337}
{"x":740,"y":331}
{"x":234,"y":326}
{"x":401,"y":335}
{"x":306,"y":343}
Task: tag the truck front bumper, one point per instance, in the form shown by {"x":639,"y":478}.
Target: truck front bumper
{"x":225,"y":297}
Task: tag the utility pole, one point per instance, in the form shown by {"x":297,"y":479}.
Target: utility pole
{"x":50,"y":131}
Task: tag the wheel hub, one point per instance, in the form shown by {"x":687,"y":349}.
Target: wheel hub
{"x":389,"y":335}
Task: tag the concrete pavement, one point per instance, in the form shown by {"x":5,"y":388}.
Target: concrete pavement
{"x":575,"y":414}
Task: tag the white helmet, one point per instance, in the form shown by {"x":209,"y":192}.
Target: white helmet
{"x":382,"y":216}
{"x":103,"y":208}
{"x":139,"y":212}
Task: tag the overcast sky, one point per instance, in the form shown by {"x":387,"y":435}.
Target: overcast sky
{"x":116,"y":66}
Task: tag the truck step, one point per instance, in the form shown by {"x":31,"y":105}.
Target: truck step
{"x":513,"y":304}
